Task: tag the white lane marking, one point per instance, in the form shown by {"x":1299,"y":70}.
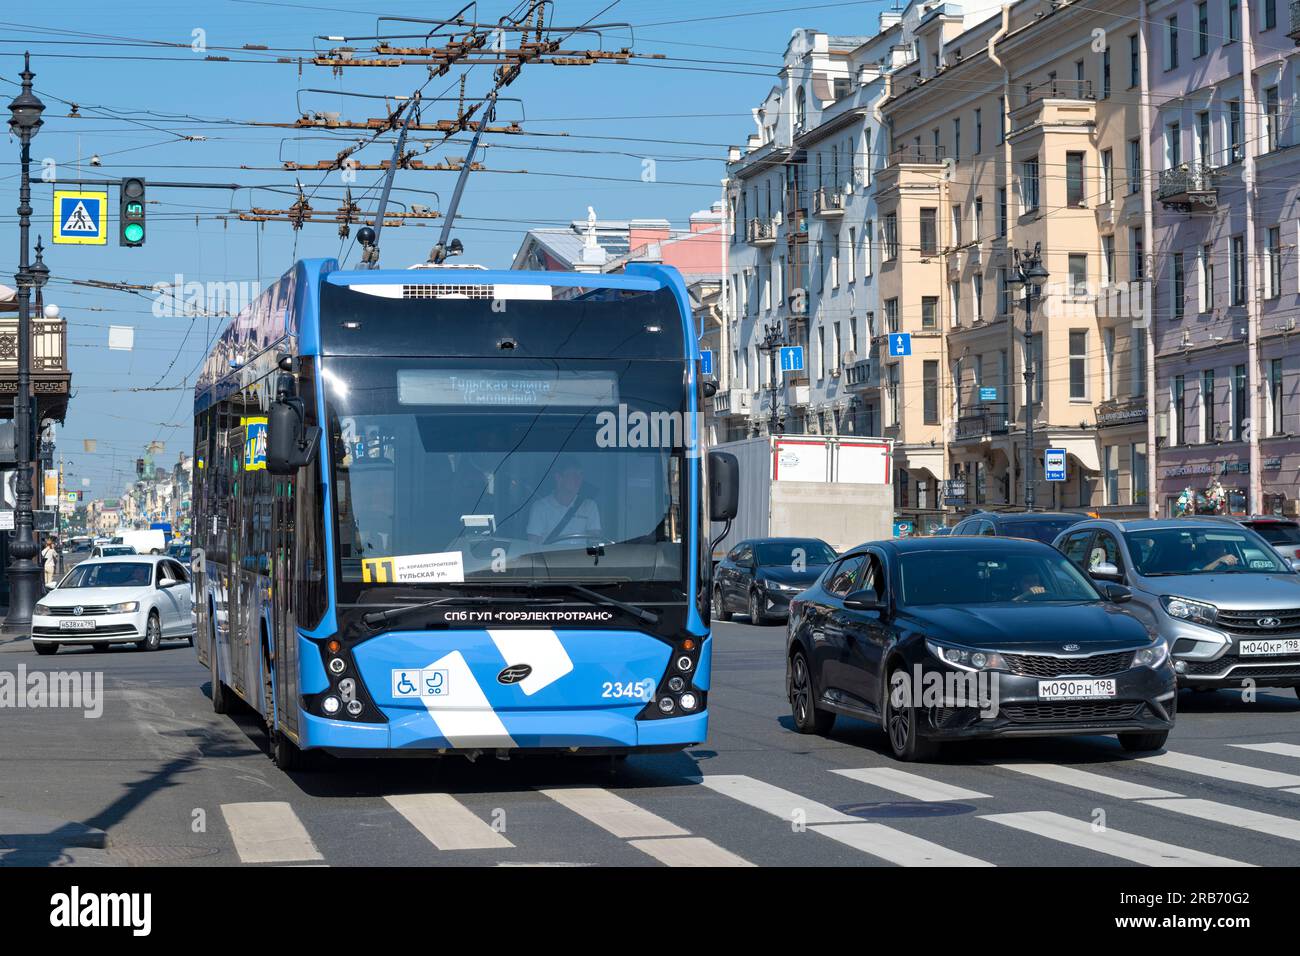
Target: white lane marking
{"x":911,"y":784}
{"x":1284,"y":750}
{"x":688,"y":851}
{"x":1224,"y":813}
{"x":895,"y":845}
{"x":464,"y":715}
{"x":542,"y":650}
{"x":1085,"y":780}
{"x":774,"y":800}
{"x":268,"y":832}
{"x":1222,"y":770}
{"x":1126,"y":846}
{"x":611,"y":812}
{"x":446,"y":822}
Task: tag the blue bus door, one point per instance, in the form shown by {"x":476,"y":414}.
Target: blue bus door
{"x":283,"y":623}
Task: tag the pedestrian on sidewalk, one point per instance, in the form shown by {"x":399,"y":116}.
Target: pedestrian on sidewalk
{"x":50,"y":559}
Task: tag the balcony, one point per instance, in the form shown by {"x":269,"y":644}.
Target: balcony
{"x":1294,"y":32}
{"x":982,"y":420}
{"x":916,"y":154}
{"x":828,"y":202}
{"x":732,"y":401}
{"x":1189,"y":186}
{"x":760,"y":232}
{"x":51,"y":380}
{"x":861,"y":375}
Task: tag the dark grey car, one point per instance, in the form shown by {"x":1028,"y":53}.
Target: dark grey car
{"x":1224,"y":599}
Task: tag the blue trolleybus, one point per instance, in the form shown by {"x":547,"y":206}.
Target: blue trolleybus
{"x":458,"y":511}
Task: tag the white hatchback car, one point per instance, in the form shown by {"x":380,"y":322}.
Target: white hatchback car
{"x":128,"y":599}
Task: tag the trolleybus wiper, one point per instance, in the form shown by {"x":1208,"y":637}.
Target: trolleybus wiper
{"x":641,"y":614}
{"x":379,"y":617}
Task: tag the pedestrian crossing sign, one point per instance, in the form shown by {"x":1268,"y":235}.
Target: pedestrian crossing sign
{"x":80,"y":218}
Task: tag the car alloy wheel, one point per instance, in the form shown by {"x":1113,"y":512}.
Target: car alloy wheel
{"x":807,"y":718}
{"x":152,"y":634}
{"x":902,"y":722}
{"x":755,"y":613}
{"x":720,"y":606}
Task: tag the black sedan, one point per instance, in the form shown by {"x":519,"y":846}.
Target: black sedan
{"x":960,"y":638}
{"x":760,"y":576}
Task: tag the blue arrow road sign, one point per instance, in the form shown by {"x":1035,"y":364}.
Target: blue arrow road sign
{"x":1054,"y":464}
{"x":900,"y":344}
{"x":706,"y":362}
{"x":792,"y":358}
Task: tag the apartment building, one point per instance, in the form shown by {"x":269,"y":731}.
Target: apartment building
{"x":1223,"y":135}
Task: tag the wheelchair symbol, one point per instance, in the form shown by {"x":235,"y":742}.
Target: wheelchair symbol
{"x":404,"y":686}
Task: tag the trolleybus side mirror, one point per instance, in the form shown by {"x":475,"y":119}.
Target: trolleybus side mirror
{"x":290,"y":444}
{"x":724,"y":485}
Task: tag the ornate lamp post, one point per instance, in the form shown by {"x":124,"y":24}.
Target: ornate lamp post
{"x":1027,"y":271}
{"x":24,"y":572}
{"x":773,"y":340}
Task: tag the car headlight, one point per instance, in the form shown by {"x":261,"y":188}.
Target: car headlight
{"x":126,"y":607}
{"x":965,"y":658}
{"x":40,"y":609}
{"x":1185,"y":609}
{"x":1152,"y":656}
{"x":779,"y":586}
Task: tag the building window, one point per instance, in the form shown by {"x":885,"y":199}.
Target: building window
{"x":1108,"y":260}
{"x":1078,"y":364}
{"x":1202,"y":28}
{"x":1234,"y":21}
{"x":1004,"y":119}
{"x":979,"y":132}
{"x":954,"y":296}
{"x":1137,"y":270}
{"x":891,"y":388}
{"x":1179,"y":290}
{"x":930,"y":391}
{"x":1274,"y":259}
{"x":890,"y":237}
{"x":1270,"y":14}
{"x":1138,"y":476}
{"x":1134,"y":166}
{"x":819,"y":357}
{"x":1272,"y":118}
{"x":1204,"y":143}
{"x":977,"y":220}
{"x":1037,"y":360}
{"x":1208,"y":428}
{"x":1176,"y":410}
{"x":929,"y":232}
{"x":1171,"y":42}
{"x":1205,"y":297}
{"x":1078,"y":273}
{"x":1004,"y":293}
{"x":977,"y":285}
{"x":1134,"y":62}
{"x":1074,"y":195}
{"x":1173,"y":145}
{"x":1111,"y":465}
{"x":1275,"y":396}
{"x":869,"y":252}
{"x":1238,"y":269}
{"x":853,"y":254}
{"x":1139,"y":340}
{"x":1002,"y":213}
{"x":929,"y":313}
{"x":1105,"y":73}
{"x":956,"y":139}
{"x":891,"y":315}
{"x":956,"y":225}
{"x":1029,"y":185}
{"x":1239,"y":403}
{"x":1108,"y":363}
{"x":1235,"y":153}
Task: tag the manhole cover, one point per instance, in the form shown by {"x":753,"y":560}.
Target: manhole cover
{"x":901,"y":809}
{"x":146,"y":855}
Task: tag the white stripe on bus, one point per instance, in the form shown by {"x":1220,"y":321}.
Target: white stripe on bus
{"x":542,"y":650}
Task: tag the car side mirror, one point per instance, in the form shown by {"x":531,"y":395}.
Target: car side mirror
{"x":168,"y":583}
{"x":863,"y":600}
{"x":724,"y":485}
{"x":1117,"y":593}
{"x":290,"y":444}
{"x":1105,"y":571}
{"x":1294,"y":564}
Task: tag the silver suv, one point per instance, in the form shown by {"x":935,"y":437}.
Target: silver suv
{"x":1224,"y":599}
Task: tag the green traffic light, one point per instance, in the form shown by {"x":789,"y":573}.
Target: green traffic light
{"x":134,"y":232}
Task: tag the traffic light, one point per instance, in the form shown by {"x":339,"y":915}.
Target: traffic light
{"x":139,"y":467}
{"x":130,"y":219}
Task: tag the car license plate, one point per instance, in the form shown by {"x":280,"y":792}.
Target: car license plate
{"x":76,"y":625}
{"x":1268,"y":648}
{"x":1076,"y":689}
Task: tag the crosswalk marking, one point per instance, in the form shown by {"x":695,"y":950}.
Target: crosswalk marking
{"x":895,"y":845}
{"x":1224,"y":813}
{"x":1126,"y":846}
{"x":1285,"y":750}
{"x":447,"y":823}
{"x":774,"y":800}
{"x":612,"y":813}
{"x":688,"y":851}
{"x":268,"y":832}
{"x":1222,"y":770}
{"x":911,"y":784}
{"x":1086,"y":780}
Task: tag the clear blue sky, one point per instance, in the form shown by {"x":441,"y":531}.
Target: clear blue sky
{"x":139,"y":102}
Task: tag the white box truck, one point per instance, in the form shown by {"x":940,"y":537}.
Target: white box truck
{"x":834,"y":487}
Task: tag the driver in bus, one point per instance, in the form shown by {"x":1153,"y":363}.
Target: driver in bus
{"x":566,"y":512}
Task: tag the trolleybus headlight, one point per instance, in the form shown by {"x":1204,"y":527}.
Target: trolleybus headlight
{"x":330,"y":705}
{"x":337,"y":665}
{"x":684,"y":663}
{"x":688,"y":701}
{"x":666,"y":704}
{"x":676,"y":684}
{"x":354,"y":707}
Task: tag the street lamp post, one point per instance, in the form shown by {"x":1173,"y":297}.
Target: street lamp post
{"x":773,"y":340}
{"x":1027,"y":271}
{"x":24,"y":572}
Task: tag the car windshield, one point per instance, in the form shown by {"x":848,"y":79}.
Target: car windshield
{"x":116,"y":574}
{"x":1221,"y":550}
{"x":794,"y":553}
{"x":1277,"y":532}
{"x":979,"y":576}
{"x":514,"y":470}
{"x":1038,"y":529}
{"x":116,"y":552}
